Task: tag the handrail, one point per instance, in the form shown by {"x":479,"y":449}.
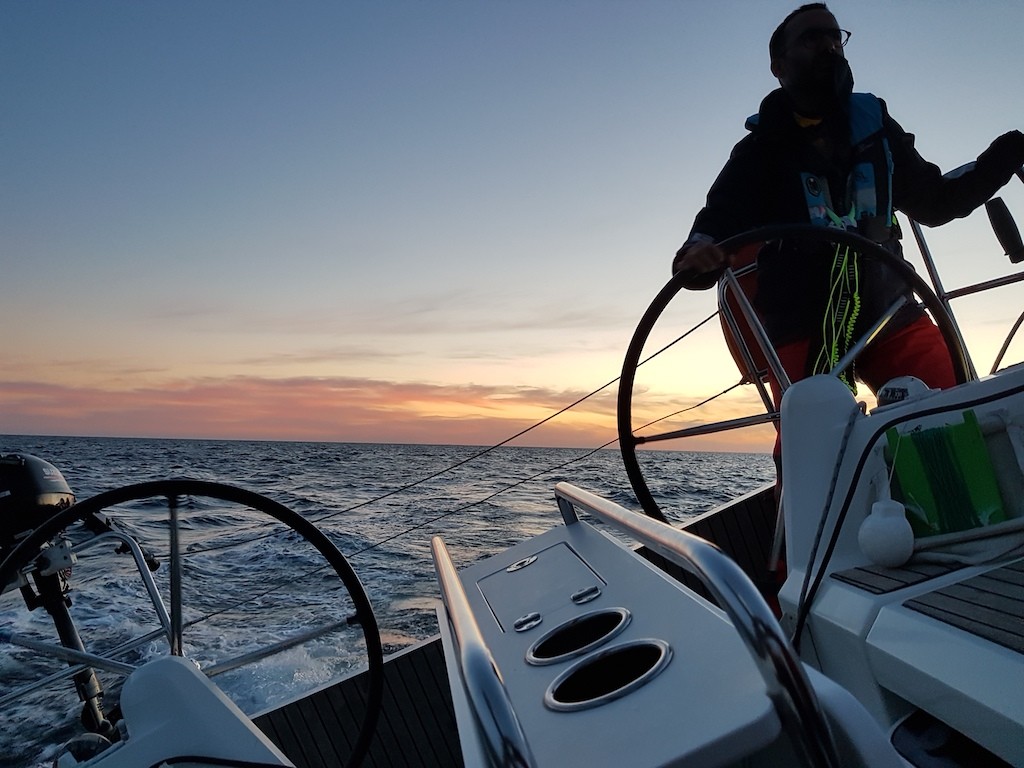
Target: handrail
{"x":940,"y":291}
{"x":1006,"y":233}
{"x":788,"y":687}
{"x":140,"y":564}
{"x":1006,"y":343}
{"x":503,"y":735}
{"x":730,"y":281}
{"x":986,"y":285}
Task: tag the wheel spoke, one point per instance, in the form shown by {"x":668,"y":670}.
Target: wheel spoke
{"x":708,"y":429}
{"x":270,"y":650}
{"x":175,"y":576}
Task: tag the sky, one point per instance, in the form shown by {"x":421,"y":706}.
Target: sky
{"x":414,"y":221}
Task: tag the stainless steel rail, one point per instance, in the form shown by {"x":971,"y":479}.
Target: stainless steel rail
{"x":140,"y":564}
{"x":80,"y":660}
{"x":730,"y":285}
{"x":940,"y":291}
{"x":503,"y":735}
{"x":788,"y":687}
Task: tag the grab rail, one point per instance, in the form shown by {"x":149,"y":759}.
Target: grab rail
{"x":503,"y":734}
{"x":788,"y":687}
{"x":940,"y":291}
{"x":730,"y":285}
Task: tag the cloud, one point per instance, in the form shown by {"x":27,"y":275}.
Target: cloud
{"x":335,"y":409}
{"x":419,"y":311}
{"x":303,"y":408}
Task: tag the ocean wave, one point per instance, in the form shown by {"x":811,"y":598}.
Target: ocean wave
{"x":247,"y":580}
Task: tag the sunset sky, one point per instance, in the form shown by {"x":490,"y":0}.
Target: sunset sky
{"x":409,"y":220}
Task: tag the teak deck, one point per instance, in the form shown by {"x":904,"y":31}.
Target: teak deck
{"x":416,"y":728}
{"x":990,"y":605}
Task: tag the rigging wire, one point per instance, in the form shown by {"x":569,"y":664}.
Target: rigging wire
{"x":469,"y":505}
{"x":484,"y":452}
{"x":273,"y":587}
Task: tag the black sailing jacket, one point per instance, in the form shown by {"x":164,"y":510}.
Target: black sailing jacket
{"x":763,"y":184}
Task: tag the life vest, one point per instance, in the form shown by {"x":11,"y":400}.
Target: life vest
{"x":869,"y":197}
{"x":869,"y":183}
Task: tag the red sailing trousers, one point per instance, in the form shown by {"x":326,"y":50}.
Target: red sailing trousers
{"x":916,"y":350}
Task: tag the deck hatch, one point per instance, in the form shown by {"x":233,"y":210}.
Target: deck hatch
{"x":555,"y":573}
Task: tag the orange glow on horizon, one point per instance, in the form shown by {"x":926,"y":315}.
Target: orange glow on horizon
{"x":342,"y":410}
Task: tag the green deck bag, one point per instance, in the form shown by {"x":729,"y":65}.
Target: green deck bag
{"x":944,"y":477}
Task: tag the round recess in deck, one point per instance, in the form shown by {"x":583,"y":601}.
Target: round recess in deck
{"x":607,"y":675}
{"x":577,"y":636}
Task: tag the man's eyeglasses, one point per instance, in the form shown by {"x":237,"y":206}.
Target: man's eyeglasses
{"x":813,"y":37}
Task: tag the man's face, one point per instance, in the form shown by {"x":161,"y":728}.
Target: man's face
{"x":812,"y":67}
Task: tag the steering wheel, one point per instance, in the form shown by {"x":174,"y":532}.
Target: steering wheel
{"x":628,"y":442}
{"x":173,"y":622}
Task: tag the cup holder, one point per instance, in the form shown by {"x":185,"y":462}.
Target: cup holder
{"x":578,"y":636}
{"x":607,"y":674}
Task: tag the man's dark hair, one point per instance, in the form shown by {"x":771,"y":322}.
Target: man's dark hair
{"x":777,"y":44}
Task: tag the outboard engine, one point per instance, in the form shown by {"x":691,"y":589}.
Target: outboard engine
{"x":31,"y":491}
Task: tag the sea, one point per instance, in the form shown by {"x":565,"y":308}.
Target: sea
{"x":248,"y":581}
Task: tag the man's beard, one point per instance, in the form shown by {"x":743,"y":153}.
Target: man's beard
{"x":824,"y":86}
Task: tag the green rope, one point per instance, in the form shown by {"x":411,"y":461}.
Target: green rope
{"x":841,"y":313}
